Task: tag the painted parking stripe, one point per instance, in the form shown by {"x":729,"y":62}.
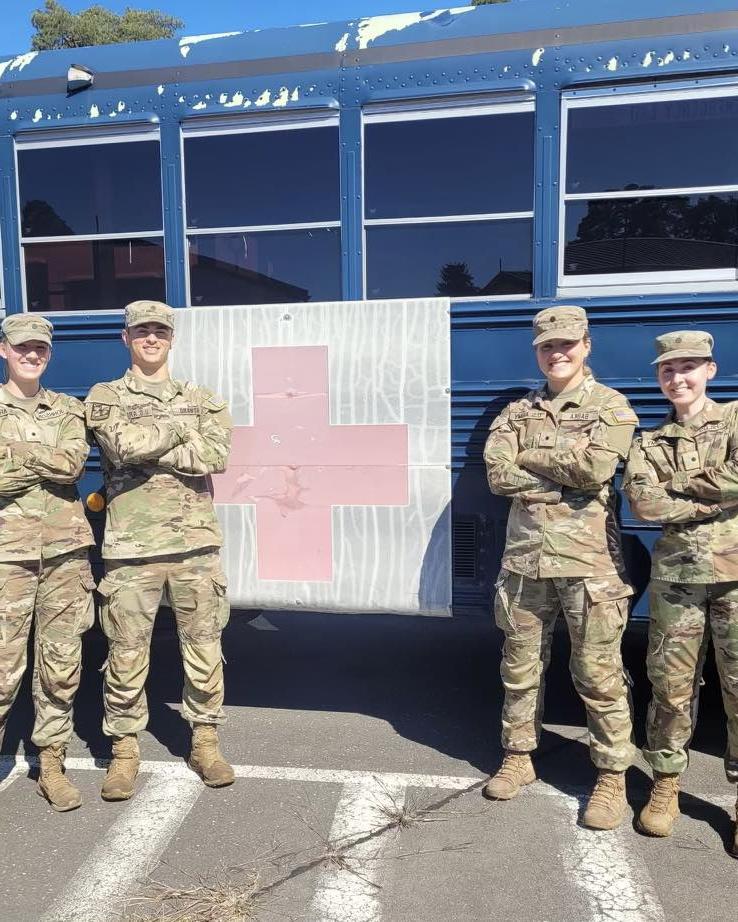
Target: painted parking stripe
{"x":616,"y":884}
{"x":130,"y":850}
{"x":275,"y":773}
{"x":351,"y":891}
{"x":15,"y":772}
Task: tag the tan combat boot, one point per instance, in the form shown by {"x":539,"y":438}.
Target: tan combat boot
{"x":206,"y":758}
{"x":515,"y":772}
{"x":53,"y":784}
{"x":607,"y":804}
{"x":121,"y":777}
{"x":658,"y":816}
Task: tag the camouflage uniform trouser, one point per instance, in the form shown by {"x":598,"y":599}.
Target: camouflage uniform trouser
{"x":677,"y":641}
{"x":58,"y":593}
{"x":132,"y":591}
{"x":526,"y":610}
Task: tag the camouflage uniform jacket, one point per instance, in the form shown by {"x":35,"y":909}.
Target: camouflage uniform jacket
{"x":42,"y":455}
{"x":557,"y":465}
{"x":158,"y":446}
{"x":686,"y":478}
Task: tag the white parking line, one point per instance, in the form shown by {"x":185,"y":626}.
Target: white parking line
{"x":15,"y":772}
{"x":350,"y":890}
{"x":276,"y":773}
{"x":616,"y":884}
{"x":131,"y":848}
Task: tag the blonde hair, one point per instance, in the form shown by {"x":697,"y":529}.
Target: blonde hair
{"x":588,"y":340}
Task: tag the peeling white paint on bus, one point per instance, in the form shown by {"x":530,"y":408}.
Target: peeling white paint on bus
{"x":17,"y":63}
{"x":374,"y":27}
{"x":236,"y":101}
{"x":187,"y":41}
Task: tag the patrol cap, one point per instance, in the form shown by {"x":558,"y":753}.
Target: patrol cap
{"x":20,"y":328}
{"x":683,"y":344}
{"x":149,"y":312}
{"x":568,"y":321}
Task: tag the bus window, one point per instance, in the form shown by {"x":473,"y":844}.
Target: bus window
{"x":91,"y":221}
{"x":448,"y":202}
{"x":651,"y":188}
{"x":263,"y":213}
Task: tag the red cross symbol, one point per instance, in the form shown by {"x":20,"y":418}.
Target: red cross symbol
{"x":295,"y":466}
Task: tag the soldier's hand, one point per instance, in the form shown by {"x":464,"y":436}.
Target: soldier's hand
{"x":18,"y":451}
{"x":549,"y":498}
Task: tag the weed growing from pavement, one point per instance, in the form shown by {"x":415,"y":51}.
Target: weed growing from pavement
{"x":246,"y":894}
{"x":224,"y":895}
{"x":405,"y":809}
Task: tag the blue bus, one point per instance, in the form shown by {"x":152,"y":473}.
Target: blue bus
{"x":462,"y":168}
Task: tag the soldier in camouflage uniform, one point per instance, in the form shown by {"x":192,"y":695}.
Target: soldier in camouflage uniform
{"x":45,"y":572}
{"x":684,"y":475}
{"x":554,"y":453}
{"x":160,"y":439}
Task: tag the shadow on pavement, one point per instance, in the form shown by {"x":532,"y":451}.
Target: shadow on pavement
{"x":435,"y":681}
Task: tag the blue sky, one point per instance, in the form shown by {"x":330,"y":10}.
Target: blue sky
{"x":216,"y":15}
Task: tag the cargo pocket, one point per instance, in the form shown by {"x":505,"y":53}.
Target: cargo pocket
{"x":223,"y":608}
{"x":606,"y":609}
{"x":106,"y":590}
{"x":503,"y":618}
{"x":86,"y":616}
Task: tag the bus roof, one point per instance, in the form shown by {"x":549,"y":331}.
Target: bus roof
{"x":351,"y":42}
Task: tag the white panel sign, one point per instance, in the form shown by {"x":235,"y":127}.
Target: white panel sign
{"x":338,"y":490}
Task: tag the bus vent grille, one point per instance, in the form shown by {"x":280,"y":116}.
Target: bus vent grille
{"x":465,"y":547}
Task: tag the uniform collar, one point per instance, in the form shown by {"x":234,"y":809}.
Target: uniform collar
{"x":156,"y":390}
{"x":43,"y":399}
{"x":712,"y":413}
{"x":573,"y":398}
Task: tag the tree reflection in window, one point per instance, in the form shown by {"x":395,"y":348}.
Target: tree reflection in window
{"x":651,"y":185}
{"x":652,"y":234}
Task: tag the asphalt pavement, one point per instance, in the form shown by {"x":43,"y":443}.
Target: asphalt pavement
{"x":361,"y":744}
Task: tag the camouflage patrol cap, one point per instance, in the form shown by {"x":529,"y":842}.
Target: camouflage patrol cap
{"x":21,"y":328}
{"x":149,"y":312}
{"x":566,"y":321}
{"x":683,"y":344}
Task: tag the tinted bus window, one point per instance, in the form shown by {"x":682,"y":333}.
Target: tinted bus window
{"x":269,"y":268}
{"x":263,"y":214}
{"x":455,"y":260}
{"x":448,"y":203}
{"x":93,"y":274}
{"x":91,"y":189}
{"x":670,"y":145}
{"x":91,"y":222}
{"x":651,"y":187}
{"x":449,"y":166}
{"x":262,"y":177}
